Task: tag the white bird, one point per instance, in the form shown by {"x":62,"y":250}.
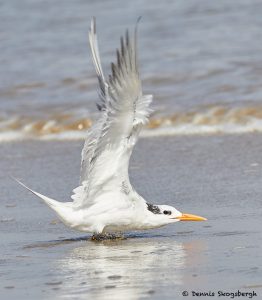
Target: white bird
{"x":105,"y":201}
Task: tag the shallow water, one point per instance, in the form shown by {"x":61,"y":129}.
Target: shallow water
{"x":217,"y":177}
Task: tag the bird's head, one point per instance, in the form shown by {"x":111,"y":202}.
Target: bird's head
{"x":170,"y":214}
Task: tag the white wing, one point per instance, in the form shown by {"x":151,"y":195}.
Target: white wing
{"x":124,"y":109}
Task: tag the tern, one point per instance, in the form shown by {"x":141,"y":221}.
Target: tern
{"x":105,"y":202}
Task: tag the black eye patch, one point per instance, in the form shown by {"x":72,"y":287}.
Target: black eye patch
{"x":167,"y":212}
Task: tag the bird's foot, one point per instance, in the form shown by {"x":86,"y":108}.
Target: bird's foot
{"x":107,"y":236}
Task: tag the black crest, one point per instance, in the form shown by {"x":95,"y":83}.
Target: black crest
{"x":153,"y":208}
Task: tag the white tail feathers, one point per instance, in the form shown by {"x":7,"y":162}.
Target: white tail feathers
{"x":64,"y":210}
{"x":50,"y":202}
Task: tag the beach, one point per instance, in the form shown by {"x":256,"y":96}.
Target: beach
{"x":218,"y":177}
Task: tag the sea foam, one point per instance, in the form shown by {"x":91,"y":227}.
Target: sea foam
{"x":73,"y":125}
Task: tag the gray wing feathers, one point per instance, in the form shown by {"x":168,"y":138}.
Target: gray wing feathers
{"x":97,"y":63}
{"x":93,"y":135}
{"x":124,"y":110}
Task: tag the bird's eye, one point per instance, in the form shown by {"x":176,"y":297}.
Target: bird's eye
{"x":167,"y":212}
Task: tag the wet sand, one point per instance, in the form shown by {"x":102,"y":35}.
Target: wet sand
{"x":218,"y":177}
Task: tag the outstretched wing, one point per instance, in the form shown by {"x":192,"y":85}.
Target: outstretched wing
{"x":124,"y":109}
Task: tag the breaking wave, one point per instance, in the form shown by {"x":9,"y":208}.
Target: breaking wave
{"x":212,"y":120}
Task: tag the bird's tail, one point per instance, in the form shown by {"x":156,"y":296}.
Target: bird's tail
{"x":63,"y":209}
{"x":50,"y":202}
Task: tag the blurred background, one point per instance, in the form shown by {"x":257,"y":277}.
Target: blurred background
{"x":200,"y":59}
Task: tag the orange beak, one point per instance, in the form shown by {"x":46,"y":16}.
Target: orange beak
{"x":189,"y":217}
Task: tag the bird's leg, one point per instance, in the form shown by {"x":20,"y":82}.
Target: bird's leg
{"x":107,"y":236}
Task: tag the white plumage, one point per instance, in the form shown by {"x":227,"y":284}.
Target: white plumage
{"x":105,"y":201}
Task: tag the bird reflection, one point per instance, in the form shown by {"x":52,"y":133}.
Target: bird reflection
{"x":124,"y":269}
